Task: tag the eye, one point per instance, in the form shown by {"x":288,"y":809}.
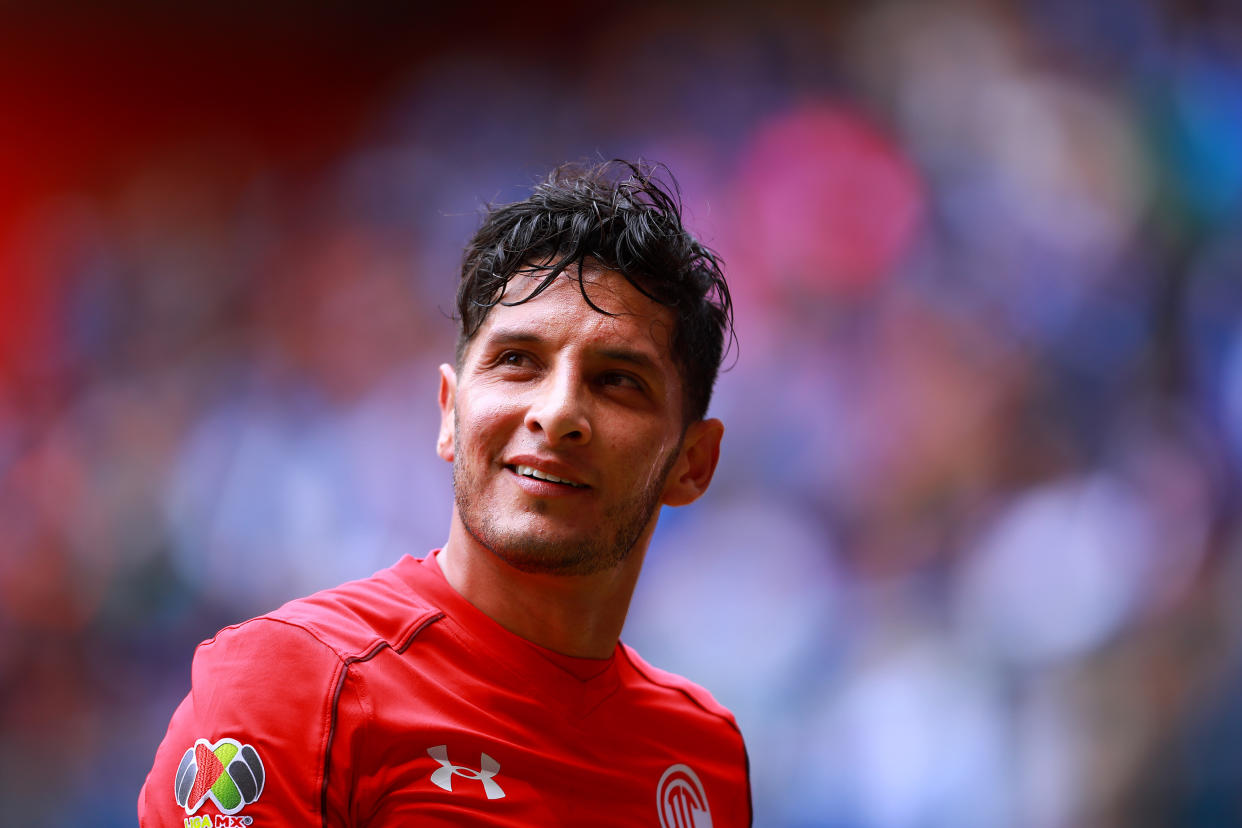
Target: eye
{"x":511,"y":364}
{"x":619,"y":379}
{"x":513,"y":359}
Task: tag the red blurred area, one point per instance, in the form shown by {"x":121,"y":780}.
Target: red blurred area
{"x":88,"y":95}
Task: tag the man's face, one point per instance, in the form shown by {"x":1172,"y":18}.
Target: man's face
{"x":563,"y":424}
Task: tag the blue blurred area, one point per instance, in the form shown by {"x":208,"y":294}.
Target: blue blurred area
{"x":972,"y":556}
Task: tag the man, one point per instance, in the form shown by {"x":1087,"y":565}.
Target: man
{"x":485,"y":684}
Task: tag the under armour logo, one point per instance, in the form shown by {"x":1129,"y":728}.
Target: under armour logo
{"x":443,"y":776}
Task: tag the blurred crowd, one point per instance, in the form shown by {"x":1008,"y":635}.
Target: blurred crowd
{"x":973,"y":554}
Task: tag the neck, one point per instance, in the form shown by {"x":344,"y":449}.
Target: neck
{"x":575,"y":615}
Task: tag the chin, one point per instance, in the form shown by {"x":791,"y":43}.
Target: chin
{"x":539,"y":555}
{"x":539,"y":544}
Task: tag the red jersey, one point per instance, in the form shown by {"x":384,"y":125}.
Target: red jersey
{"x":394,"y":701}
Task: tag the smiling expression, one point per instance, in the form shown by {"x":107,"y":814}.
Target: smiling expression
{"x":563,"y":425}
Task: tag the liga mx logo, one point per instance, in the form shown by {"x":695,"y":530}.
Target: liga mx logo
{"x":228,"y":772}
{"x":682,"y":800}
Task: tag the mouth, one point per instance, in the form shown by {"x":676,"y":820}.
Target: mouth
{"x":536,"y":474}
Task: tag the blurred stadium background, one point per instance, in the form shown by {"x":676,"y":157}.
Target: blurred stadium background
{"x":973,"y":556}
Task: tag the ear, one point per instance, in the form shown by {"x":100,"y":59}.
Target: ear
{"x":696,"y":463}
{"x":448,"y":397}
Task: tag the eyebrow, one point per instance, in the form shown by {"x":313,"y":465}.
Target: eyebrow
{"x":504,"y":336}
{"x":635,"y":358}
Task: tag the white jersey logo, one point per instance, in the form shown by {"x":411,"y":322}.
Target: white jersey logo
{"x":443,"y":776}
{"x":682,"y":800}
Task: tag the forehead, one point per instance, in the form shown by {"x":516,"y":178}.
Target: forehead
{"x":561,"y":314}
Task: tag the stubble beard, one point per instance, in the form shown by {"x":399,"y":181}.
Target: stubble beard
{"x":605,"y":548}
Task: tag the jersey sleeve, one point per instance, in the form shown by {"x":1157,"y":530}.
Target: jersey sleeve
{"x":252,"y":737}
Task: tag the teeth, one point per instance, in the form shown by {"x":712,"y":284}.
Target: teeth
{"x":527,"y":471}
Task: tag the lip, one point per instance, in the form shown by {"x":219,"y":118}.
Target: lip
{"x":552,"y":467}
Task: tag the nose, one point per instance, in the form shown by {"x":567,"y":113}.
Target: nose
{"x":559,"y":410}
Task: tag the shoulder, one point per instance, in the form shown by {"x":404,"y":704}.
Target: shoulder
{"x":291,"y":661}
{"x":333,"y":627}
{"x":270,"y":690}
{"x":355,"y":618}
{"x":679,"y":691}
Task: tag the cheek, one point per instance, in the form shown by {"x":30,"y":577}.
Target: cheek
{"x":646,"y":458}
{"x":483,"y":425}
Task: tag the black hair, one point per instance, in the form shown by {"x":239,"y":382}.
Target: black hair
{"x":621,"y":216}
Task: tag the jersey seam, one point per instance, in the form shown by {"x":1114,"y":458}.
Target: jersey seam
{"x":726,"y":718}
{"x":347,"y":663}
{"x":339,"y":652}
{"x":316,"y":637}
